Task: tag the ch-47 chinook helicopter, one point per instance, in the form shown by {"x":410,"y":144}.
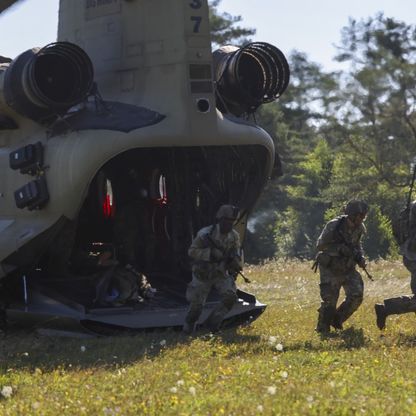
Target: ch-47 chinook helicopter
{"x":130,"y":104}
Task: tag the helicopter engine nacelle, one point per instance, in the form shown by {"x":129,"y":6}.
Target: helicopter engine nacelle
{"x":44,"y":82}
{"x":247,"y":77}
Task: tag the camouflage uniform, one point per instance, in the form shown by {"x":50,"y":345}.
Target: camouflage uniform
{"x":126,"y":285}
{"x":339,"y":247}
{"x":208,"y":273}
{"x":403,"y":304}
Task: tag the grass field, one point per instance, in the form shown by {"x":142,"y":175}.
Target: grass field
{"x":276,"y":366}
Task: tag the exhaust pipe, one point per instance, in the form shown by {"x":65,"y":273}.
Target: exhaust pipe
{"x":250,"y":76}
{"x":42,"y":83}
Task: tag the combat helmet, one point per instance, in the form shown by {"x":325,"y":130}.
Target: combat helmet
{"x":227,"y":211}
{"x":355,"y":207}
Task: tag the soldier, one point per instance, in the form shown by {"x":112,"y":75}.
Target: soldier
{"x":339,"y":251}
{"x":215,"y":253}
{"x":402,"y":304}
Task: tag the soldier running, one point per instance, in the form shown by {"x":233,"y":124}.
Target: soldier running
{"x":215,"y":253}
{"x":402,"y":304}
{"x":340,"y":250}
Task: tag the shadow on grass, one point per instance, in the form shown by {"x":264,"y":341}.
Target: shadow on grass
{"x":353,"y":338}
{"x":27,"y":350}
{"x":406,"y":340}
{"x":348,"y":339}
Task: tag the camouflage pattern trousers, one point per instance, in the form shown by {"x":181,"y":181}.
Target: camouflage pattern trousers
{"x":330,"y":286}
{"x":197,"y":292}
{"x":404,"y":304}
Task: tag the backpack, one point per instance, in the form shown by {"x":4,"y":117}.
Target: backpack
{"x":400,"y":226}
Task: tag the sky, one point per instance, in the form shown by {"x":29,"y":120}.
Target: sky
{"x":310,"y":26}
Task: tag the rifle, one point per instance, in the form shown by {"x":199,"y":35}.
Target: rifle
{"x":226,"y":256}
{"x":368,"y":274}
{"x":356,"y":254}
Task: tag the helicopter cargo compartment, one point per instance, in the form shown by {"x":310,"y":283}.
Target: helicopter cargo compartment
{"x":144,"y":206}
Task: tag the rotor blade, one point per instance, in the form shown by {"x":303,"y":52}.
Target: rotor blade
{"x":5,"y":4}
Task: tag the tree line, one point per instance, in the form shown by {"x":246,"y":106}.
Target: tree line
{"x":340,"y":135}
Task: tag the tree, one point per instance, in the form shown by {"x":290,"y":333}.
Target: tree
{"x":224,"y":30}
{"x":379,"y":94}
{"x":365,"y":121}
{"x":294,"y":122}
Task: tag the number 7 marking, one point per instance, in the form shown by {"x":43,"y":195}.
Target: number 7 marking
{"x":197,"y":24}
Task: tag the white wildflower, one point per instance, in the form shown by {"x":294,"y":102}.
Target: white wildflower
{"x":162,"y":343}
{"x":35,"y":405}
{"x":284,"y":374}
{"x":310,"y":399}
{"x":272,"y":341}
{"x":279,"y":347}
{"x":409,"y":400}
{"x":180,"y":382}
{"x":332,"y":383}
{"x":173,"y":390}
{"x":271,"y":390}
{"x":260,"y":408}
{"x":192,"y":390}
{"x":83,"y":349}
{"x":6,"y":392}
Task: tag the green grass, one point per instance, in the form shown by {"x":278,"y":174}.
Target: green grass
{"x":238,"y":372}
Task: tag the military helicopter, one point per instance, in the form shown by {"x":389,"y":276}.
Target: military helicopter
{"x":130,"y":105}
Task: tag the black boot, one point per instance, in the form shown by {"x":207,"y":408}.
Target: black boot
{"x":191,"y":318}
{"x":337,"y":322}
{"x":214,"y":321}
{"x":189,"y":328}
{"x":325,"y":318}
{"x":381,"y":315}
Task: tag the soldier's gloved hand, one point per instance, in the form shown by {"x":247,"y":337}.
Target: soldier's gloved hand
{"x":216,"y":255}
{"x":361,"y":262}
{"x":234,"y":265}
{"x":344,"y":250}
